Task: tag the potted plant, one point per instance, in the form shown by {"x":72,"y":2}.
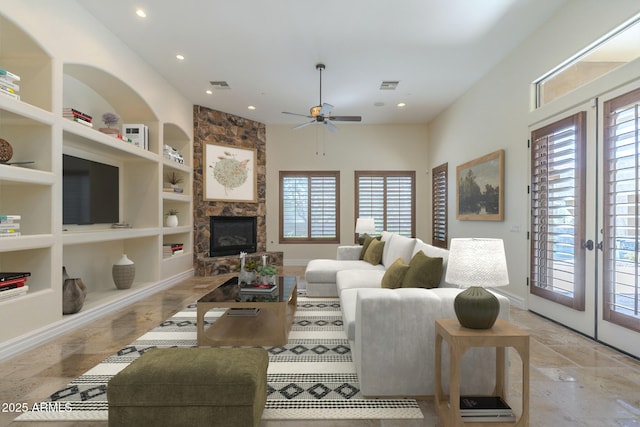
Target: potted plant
{"x":268,"y":273}
{"x":172,"y":218}
{"x":174,"y":179}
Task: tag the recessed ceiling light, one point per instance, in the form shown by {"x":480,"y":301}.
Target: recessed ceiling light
{"x":141,"y":13}
{"x":180,"y":57}
{"x":251,"y":107}
{"x":208,"y":91}
{"x":401,"y":104}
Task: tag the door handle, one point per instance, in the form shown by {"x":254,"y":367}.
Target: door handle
{"x":587,"y":245}
{"x":600,"y":245}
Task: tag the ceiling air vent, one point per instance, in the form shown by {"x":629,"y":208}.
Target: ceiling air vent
{"x":389,"y":84}
{"x":220,"y":84}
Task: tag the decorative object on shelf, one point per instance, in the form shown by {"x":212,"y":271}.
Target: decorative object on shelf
{"x":6,"y":151}
{"x":475,"y":264}
{"x":480,"y":189}
{"x":267,"y":274}
{"x":174,"y":179}
{"x":110,"y":119}
{"x":365,"y":226}
{"x":172,"y":218}
{"x":230,"y":174}
{"x":74,"y":293}
{"x":245,"y":276}
{"x":123,"y":271}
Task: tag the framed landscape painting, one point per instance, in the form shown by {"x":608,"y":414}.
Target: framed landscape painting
{"x":480,"y":188}
{"x":230,"y":174}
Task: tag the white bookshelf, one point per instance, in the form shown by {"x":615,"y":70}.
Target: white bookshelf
{"x":38,"y":133}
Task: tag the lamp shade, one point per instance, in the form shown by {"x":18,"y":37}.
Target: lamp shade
{"x":365,"y":225}
{"x":477,"y":262}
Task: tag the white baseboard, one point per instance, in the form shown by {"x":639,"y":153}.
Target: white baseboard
{"x":31,"y":340}
{"x":296,"y":262}
{"x":514,"y":300}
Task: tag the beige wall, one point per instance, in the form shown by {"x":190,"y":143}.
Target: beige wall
{"x":353,"y":147}
{"x":495,"y":114}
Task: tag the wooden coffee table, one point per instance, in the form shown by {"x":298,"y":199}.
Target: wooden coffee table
{"x":269,"y":327}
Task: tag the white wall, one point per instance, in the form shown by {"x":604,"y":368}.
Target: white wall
{"x":353,"y":147}
{"x":495,"y":114}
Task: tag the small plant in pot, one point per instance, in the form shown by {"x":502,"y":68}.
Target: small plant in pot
{"x":174,"y":180}
{"x":172,"y":218}
{"x":268,"y":273}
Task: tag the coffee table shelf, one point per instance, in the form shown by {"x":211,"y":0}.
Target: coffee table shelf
{"x":269,"y":327}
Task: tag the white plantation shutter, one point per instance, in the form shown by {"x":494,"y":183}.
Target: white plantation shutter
{"x":622,"y":210}
{"x":388,"y":198}
{"x":439,"y":202}
{"x":557,"y":220}
{"x":309,"y":207}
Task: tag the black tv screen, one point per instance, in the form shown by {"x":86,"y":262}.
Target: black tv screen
{"x":90,"y":192}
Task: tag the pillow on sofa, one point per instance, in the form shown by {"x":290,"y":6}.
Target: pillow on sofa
{"x":423,"y":272}
{"x":367,"y":241}
{"x":373,"y":255}
{"x":392,"y":278}
{"x":397,"y":246}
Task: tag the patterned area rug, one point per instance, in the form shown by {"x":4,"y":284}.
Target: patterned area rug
{"x":312,"y":377}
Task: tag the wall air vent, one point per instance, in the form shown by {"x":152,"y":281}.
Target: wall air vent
{"x":220,"y":84}
{"x":389,"y":84}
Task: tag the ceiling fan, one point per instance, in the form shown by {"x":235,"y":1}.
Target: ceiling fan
{"x":321,"y":113}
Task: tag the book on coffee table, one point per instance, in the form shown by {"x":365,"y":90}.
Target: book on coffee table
{"x":258,"y":289}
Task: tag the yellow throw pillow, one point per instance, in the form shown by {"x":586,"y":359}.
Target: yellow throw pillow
{"x":373,"y":255}
{"x":392,"y":278}
{"x":424,"y":272}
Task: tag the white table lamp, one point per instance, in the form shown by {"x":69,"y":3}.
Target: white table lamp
{"x":475,"y":264}
{"x":365,"y":226}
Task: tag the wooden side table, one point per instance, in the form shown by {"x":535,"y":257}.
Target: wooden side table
{"x":460,"y":339}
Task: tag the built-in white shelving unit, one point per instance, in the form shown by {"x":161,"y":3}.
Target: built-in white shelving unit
{"x":38,"y":133}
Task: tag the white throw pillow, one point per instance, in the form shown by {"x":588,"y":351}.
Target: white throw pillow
{"x":397,"y":246}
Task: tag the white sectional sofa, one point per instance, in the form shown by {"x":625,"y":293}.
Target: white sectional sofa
{"x":392,"y":331}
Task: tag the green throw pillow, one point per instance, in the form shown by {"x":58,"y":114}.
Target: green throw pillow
{"x":424,"y":272}
{"x":395,"y":273}
{"x":373,"y":255}
{"x":365,"y":245}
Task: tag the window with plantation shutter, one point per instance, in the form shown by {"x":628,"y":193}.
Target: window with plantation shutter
{"x":621,"y":232}
{"x":557,"y":211}
{"x":309,"y":206}
{"x":439,"y":201}
{"x":388,"y":198}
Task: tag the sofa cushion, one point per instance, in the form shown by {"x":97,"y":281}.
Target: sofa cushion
{"x":423,"y":272}
{"x":350,"y":279}
{"x":367,"y":241}
{"x":325,"y":270}
{"x":348,"y":308}
{"x":397,"y":246}
{"x":373,"y":255}
{"x":392,"y":278}
{"x":435,"y":252}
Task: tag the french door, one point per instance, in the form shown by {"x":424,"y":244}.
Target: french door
{"x":585,"y":180}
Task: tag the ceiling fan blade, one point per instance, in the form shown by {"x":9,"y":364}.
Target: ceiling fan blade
{"x":303,"y":125}
{"x":330,"y":127}
{"x":326,"y":109}
{"x":296,"y":114}
{"x":345,"y":118}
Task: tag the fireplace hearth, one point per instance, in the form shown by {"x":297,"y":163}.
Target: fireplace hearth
{"x":231,"y":235}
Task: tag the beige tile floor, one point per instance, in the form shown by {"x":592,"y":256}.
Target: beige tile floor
{"x":574,"y":381}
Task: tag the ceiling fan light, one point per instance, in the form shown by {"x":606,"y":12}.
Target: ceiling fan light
{"x":315,"y":111}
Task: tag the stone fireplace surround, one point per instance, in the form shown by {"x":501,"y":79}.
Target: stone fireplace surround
{"x":216,"y":127}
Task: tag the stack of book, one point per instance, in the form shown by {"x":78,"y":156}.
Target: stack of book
{"x":237,"y":311}
{"x":13,"y":285}
{"x":77,"y":116}
{"x":9,"y":225}
{"x":8,"y":85}
{"x":485,"y":409}
{"x":172,"y":249}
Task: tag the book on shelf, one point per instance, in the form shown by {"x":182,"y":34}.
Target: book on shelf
{"x":9,"y":234}
{"x":9,"y":75}
{"x":11,"y":275}
{"x":7,"y":88}
{"x":236,"y":311}
{"x":4,"y":81}
{"x":82,"y":121}
{"x":9,"y":94}
{"x":9,"y":226}
{"x":72,"y":112}
{"x":10,"y":217}
{"x":171,"y":249}
{"x":14,"y":293}
{"x":12,"y":284}
{"x":484,"y":406}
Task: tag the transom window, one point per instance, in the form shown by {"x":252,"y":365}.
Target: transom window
{"x":309,"y":206}
{"x":389,"y":198}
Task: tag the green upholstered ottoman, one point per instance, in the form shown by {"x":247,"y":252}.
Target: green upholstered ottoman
{"x":191,"y":387}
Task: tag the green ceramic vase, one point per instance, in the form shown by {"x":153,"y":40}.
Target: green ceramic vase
{"x":476,"y":308}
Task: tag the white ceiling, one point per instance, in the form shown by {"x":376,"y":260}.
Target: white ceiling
{"x":267,"y":51}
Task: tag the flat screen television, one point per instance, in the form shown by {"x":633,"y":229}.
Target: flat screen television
{"x":90,"y":192}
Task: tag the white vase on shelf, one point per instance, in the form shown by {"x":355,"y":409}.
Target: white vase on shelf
{"x":123,"y":272}
{"x":172,"y":220}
